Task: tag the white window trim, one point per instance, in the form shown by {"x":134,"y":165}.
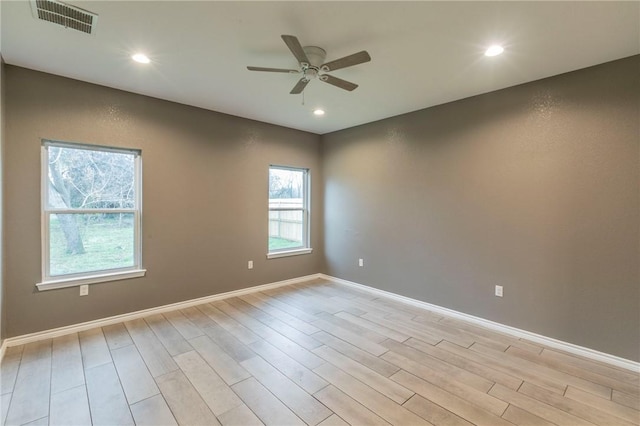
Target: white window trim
{"x":286,"y":253}
{"x":306,"y":213}
{"x":92,"y":277}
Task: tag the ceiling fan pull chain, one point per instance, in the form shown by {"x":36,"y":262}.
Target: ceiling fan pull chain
{"x":302,"y":98}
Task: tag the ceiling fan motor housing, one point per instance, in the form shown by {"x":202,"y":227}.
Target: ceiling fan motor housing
{"x":316,"y":56}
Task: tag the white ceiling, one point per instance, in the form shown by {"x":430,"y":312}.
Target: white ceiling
{"x":423,"y":53}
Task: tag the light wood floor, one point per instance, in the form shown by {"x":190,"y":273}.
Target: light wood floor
{"x":315,"y":353}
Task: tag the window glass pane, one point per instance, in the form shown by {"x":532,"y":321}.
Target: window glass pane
{"x":90,"y":242}
{"x":285,"y":230}
{"x":286,"y":188}
{"x":86,"y":179}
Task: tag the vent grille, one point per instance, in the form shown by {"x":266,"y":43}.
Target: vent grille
{"x":65,"y":15}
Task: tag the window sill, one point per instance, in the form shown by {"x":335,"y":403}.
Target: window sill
{"x":101,"y":278}
{"x":287,"y":253}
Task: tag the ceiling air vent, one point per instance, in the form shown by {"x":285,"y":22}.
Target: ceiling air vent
{"x":63,"y":14}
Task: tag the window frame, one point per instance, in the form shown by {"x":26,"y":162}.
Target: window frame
{"x":50,"y":282}
{"x":306,"y":214}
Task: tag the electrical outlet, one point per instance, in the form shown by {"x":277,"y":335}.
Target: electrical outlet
{"x":84,"y":290}
{"x":499,"y":290}
{"x":250,"y":264}
{"x":360,"y":262}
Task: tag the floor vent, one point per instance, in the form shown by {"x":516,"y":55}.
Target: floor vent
{"x":65,"y":15}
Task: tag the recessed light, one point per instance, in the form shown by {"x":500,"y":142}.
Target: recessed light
{"x":494,"y":50}
{"x":318,"y":111}
{"x":140,"y":57}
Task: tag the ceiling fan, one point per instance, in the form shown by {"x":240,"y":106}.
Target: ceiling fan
{"x":311,"y":63}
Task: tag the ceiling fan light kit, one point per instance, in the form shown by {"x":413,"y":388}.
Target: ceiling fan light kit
{"x":311,"y":64}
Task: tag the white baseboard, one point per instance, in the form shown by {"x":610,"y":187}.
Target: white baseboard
{"x":61,"y":331}
{"x":516,"y":332}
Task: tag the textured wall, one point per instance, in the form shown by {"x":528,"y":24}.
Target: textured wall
{"x":205,"y":178}
{"x":534,"y":188}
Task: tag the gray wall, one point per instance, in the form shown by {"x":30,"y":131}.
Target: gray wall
{"x":205,"y":178}
{"x":534,"y":188}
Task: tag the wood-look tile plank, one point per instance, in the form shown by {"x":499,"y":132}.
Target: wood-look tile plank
{"x":300,"y":301}
{"x":507,"y":368}
{"x":153,"y":411}
{"x":333,"y":420}
{"x":9,"y":370}
{"x":300,"y":402}
{"x":625,"y":399}
{"x":168,"y":335}
{"x":401,"y":328}
{"x":449,"y":401}
{"x":452,"y":371}
{"x":453,"y":334}
{"x":327,"y":304}
{"x":445,"y":382}
{"x":296,"y":372}
{"x":533,"y":406}
{"x":5,"y":400}
{"x":153,"y":352}
{"x":541,"y":370}
{"x":380,"y":329}
{"x":264,"y":405}
{"x":66,"y":364}
{"x":291,"y":310}
{"x":348,"y":408}
{"x":434,"y":413}
{"x":351,"y":337}
{"x":107,"y":402}
{"x":520,"y":417}
{"x":94,"y":348}
{"x":382,"y":384}
{"x":359,"y":330}
{"x":136,"y":380}
{"x":225,"y":366}
{"x":291,"y":348}
{"x":595,"y":366}
{"x":286,"y":330}
{"x":280,"y":314}
{"x":44,"y":421}
{"x":186,"y":404}
{"x":117,"y":336}
{"x":370,"y":398}
{"x":584,"y":411}
{"x":477,"y":368}
{"x":434,"y":328}
{"x":527,"y":346}
{"x":184,"y":326}
{"x":196,"y":316}
{"x":365,"y":358}
{"x":30,"y":400}
{"x":577,"y":367}
{"x":239,"y":416}
{"x":70,"y":407}
{"x":602,"y":404}
{"x":503,"y":339}
{"x":228,"y":343}
{"x":213,"y":390}
{"x":232,"y":326}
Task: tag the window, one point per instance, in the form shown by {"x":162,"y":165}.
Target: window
{"x":288,"y":211}
{"x":90,"y":214}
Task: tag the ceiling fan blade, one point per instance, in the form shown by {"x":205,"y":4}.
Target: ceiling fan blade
{"x":272,"y":70}
{"x":347,"y":61}
{"x":338,"y":82}
{"x":299,"y":87}
{"x":296,"y":48}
